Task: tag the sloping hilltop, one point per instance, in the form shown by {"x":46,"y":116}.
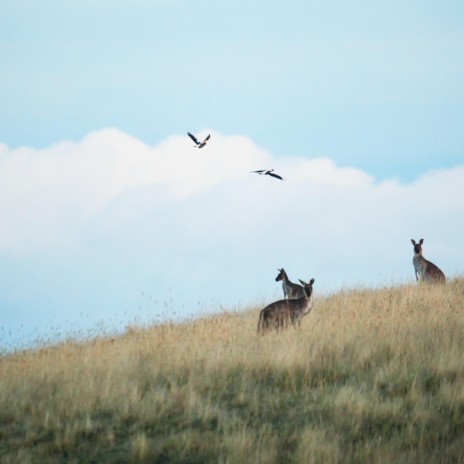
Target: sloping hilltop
{"x":370,"y":376}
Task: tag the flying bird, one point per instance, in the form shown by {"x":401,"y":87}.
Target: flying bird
{"x":197,"y":143}
{"x":267,"y":172}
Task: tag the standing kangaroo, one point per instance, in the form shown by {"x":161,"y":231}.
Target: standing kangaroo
{"x":290,"y":289}
{"x":425,"y":270}
{"x":277,"y":315}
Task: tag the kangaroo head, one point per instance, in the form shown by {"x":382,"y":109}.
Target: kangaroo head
{"x":308,"y":287}
{"x":281,"y":274}
{"x":417,"y":246}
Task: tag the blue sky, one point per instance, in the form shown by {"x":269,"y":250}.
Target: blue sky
{"x":107,"y":209}
{"x":375,"y":85}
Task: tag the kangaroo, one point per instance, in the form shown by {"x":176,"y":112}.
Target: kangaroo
{"x":425,"y":270}
{"x":290,"y":289}
{"x":277,"y":315}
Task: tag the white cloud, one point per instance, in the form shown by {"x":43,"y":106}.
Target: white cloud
{"x":324,"y":171}
{"x":117,"y":216}
{"x":46,"y":196}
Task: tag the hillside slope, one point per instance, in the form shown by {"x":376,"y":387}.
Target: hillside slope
{"x":371,"y":376}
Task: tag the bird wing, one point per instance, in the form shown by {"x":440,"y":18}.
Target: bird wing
{"x":274,"y":175}
{"x":259,"y":171}
{"x":193,"y":138}
{"x":207,"y":138}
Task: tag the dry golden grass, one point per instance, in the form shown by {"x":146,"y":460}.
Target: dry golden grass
{"x":371,"y":376}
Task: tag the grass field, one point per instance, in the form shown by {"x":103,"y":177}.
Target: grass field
{"x":372,"y":376}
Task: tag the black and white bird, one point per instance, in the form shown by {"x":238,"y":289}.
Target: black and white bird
{"x":197,"y":143}
{"x":267,"y":172}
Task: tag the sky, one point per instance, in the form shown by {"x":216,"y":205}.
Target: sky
{"x":110,"y":216}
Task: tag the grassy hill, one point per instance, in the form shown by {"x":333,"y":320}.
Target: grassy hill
{"x":371,"y":376}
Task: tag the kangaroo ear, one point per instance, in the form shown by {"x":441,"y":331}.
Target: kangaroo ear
{"x":302,"y":283}
{"x":421,"y":241}
{"x":413,"y":242}
{"x":311,"y":281}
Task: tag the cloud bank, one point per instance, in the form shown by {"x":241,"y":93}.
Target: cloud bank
{"x":104,"y":225}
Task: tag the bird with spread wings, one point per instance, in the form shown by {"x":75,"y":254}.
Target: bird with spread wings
{"x":268,"y":172}
{"x":197,"y":143}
